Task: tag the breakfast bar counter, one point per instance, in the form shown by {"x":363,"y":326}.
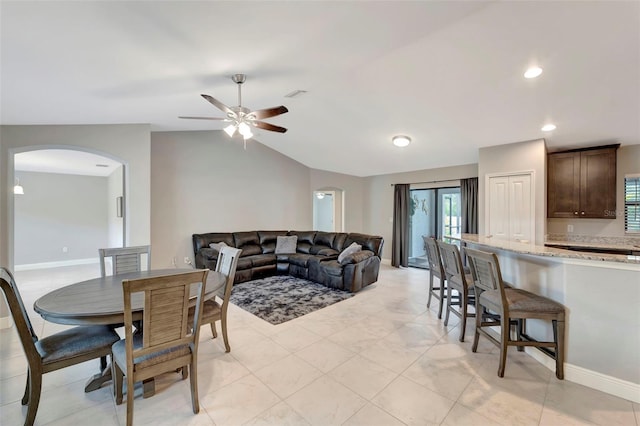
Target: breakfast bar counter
{"x":601,"y":294}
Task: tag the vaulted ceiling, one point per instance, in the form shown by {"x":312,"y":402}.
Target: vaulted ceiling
{"x":447,"y":73}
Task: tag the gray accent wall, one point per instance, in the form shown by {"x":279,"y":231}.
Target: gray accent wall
{"x":59,"y":211}
{"x":206,"y":182}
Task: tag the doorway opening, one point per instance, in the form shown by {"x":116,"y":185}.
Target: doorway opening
{"x":328,"y":213}
{"x":73,"y":204}
{"x":433,"y":213}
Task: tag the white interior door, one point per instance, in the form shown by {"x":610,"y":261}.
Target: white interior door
{"x":499,"y":207}
{"x":510,"y":207}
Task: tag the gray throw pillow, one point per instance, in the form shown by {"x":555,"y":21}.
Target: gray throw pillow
{"x":353,"y":248}
{"x":286,"y":245}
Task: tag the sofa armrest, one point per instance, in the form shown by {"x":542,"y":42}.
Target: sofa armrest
{"x":357,"y":257}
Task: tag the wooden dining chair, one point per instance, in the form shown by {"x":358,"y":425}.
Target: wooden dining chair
{"x":168,"y":342}
{"x":435,"y":270}
{"x":124,"y":259}
{"x":60,"y":350}
{"x":510,"y":304}
{"x":461,"y":281}
{"x":213,"y":310}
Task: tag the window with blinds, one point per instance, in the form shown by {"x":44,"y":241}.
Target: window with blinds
{"x":632,"y":203}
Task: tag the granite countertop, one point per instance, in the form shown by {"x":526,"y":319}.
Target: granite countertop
{"x":595,"y":245}
{"x":541,"y":250}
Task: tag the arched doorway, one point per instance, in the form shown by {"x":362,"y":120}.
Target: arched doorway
{"x":73,"y":204}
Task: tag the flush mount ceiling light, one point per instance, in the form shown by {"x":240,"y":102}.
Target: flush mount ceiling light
{"x":18,"y":189}
{"x":320,"y":195}
{"x":533,"y":72}
{"x":548,"y":127}
{"x":401,"y":140}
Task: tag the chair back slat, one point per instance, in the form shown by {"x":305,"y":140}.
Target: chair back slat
{"x":125,"y":259}
{"x":20,"y":316}
{"x":226,"y":265}
{"x":451,"y":260}
{"x":166,"y":310}
{"x":433,"y":257}
{"x":485,"y":270}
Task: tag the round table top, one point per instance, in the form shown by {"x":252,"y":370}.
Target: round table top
{"x":100,"y":300}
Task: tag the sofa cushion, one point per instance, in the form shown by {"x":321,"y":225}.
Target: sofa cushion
{"x":356,"y":257}
{"x":209,"y":253}
{"x":324,"y":238}
{"x":246,"y":238}
{"x":339,"y":241}
{"x":244,"y":263}
{"x":305,"y":240}
{"x":368,"y":242}
{"x":300,"y":259}
{"x":332,"y":267}
{"x":268,"y":240}
{"x":263,"y":260}
{"x":250,"y":250}
{"x":286,"y":244}
{"x":203,"y":240}
{"x":353,"y":248}
{"x":324,"y":251}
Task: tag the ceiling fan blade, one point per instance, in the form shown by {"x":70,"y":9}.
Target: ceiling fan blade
{"x":268,"y":112}
{"x":267,"y":126}
{"x":204,"y":118}
{"x":222,"y":107}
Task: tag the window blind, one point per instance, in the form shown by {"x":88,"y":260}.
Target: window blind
{"x":632,"y":203}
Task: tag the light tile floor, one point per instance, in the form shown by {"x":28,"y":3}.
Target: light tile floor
{"x":379,"y":358}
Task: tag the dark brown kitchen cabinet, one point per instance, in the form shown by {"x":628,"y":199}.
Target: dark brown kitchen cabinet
{"x":582,"y":183}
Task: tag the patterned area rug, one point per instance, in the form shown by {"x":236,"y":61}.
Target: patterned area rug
{"x":282,"y":298}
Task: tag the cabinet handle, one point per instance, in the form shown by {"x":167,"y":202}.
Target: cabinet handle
{"x":575,"y":212}
{"x":582,"y":212}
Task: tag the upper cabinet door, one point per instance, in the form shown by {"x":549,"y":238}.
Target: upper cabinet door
{"x":563,"y":185}
{"x":582,"y":184}
{"x":598,"y":183}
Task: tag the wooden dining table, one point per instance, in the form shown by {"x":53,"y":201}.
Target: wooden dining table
{"x":100,"y":301}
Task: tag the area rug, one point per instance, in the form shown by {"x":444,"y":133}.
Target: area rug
{"x":282,"y":298}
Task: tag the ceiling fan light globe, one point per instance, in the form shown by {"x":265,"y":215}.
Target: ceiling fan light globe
{"x":244,"y":130}
{"x":230,"y":130}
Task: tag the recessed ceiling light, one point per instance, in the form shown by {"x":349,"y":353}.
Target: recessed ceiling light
{"x":401,"y":140}
{"x":548,"y":127}
{"x":102,"y":165}
{"x":533,"y":72}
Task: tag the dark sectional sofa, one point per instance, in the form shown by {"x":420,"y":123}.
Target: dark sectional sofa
{"x":316,"y":256}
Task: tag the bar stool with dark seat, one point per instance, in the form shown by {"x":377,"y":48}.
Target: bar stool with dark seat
{"x":494,"y":297}
{"x":459,"y":279}
{"x":435,"y":270}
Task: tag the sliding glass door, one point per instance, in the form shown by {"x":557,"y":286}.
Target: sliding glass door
{"x":433,"y":213}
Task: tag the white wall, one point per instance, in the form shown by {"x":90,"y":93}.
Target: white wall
{"x":59,"y":211}
{"x":353,"y":190}
{"x":378,"y":200}
{"x":628,"y":162}
{"x":205,"y":182}
{"x":516,"y":157}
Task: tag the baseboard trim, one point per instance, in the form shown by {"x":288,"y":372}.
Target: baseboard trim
{"x":591,"y":379}
{"x":5,"y":322}
{"x":46,"y":265}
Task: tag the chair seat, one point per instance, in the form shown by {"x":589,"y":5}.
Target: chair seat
{"x":119,"y":354}
{"x":211,"y":310}
{"x":76,"y":342}
{"x":455,"y":282}
{"x":522,"y":303}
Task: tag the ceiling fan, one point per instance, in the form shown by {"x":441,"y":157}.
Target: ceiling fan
{"x":241,"y":119}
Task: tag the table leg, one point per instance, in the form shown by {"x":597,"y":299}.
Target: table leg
{"x":99,"y":379}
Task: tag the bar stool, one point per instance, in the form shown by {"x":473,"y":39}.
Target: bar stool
{"x":493,"y":297}
{"x":435,"y":270}
{"x":459,"y":279}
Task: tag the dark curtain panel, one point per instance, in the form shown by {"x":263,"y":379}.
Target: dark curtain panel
{"x":400,"y":240}
{"x":469,"y":198}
